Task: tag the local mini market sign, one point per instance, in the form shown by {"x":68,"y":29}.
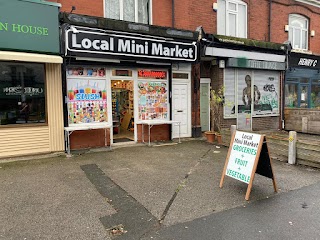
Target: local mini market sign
{"x":248,"y":154}
{"x":102,"y":43}
{"x":29,"y":26}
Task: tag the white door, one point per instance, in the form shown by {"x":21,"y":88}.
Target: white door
{"x":181,"y":109}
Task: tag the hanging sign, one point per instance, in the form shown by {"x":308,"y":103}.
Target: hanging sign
{"x":248,"y":154}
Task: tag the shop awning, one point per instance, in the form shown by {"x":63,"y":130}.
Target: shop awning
{"x":29,"y":57}
{"x":230,"y":53}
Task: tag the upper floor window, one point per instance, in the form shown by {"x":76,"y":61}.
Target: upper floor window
{"x":129,"y":10}
{"x":232,"y":18}
{"x":298,"y":31}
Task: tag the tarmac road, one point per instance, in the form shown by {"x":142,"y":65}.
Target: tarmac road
{"x":144,"y":189}
{"x":287,"y":216}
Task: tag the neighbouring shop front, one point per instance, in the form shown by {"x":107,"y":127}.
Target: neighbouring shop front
{"x":126,"y":80}
{"x":31,"y":117}
{"x":251,"y":81}
{"x":302,"y":93}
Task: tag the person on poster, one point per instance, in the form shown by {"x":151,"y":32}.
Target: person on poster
{"x":246,"y":94}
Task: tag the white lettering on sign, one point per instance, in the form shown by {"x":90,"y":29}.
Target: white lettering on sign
{"x":242,"y":157}
{"x":307,"y":62}
{"x":130,"y":46}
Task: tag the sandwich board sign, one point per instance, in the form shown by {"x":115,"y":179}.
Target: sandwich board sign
{"x":248,"y":154}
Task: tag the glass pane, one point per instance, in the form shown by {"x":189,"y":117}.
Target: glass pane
{"x":22,"y":93}
{"x":315,"y":96}
{"x":128,"y":10}
{"x":180,"y":75}
{"x":291,"y":95}
{"x":242,"y":21}
{"x":232,"y":25}
{"x":113,"y":9}
{"x":143,"y":11}
{"x":304,"y":40}
{"x":232,"y":7}
{"x":221,"y":17}
{"x":304,"y":97}
{"x":304,"y":80}
{"x":297,"y":37}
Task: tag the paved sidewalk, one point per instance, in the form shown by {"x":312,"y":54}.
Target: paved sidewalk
{"x":78,"y":197}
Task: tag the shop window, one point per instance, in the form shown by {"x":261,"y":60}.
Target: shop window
{"x":128,"y":10}
{"x":315,"y":94}
{"x":247,"y":90}
{"x":232,"y":18}
{"x":302,"y":91}
{"x":22,"y":93}
{"x":291,"y":95}
{"x":87,"y":95}
{"x":153,"y":103}
{"x":298,"y":31}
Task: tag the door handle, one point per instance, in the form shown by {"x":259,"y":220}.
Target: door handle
{"x":179,"y":110}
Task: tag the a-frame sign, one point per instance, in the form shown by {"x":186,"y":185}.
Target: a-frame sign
{"x":248,"y":154}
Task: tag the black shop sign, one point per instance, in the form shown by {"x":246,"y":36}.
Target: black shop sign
{"x":304,"y":61}
{"x":103,"y":43}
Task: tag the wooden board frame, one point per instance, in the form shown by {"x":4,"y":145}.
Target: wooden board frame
{"x":254,"y":169}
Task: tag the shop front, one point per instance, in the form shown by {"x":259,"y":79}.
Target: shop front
{"x":302,"y":93}
{"x":126,"y":87}
{"x":31,"y":116}
{"x":251,"y":81}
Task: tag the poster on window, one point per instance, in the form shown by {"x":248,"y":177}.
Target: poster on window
{"x":266,"y":93}
{"x":86,"y":100}
{"x":153,"y":100}
{"x":257,"y":90}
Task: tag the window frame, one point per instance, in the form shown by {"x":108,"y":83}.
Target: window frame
{"x":228,"y":12}
{"x":136,"y":11}
{"x":301,"y":19}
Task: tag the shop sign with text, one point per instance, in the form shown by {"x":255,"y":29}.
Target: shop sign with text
{"x":103,"y":43}
{"x":22,"y":26}
{"x":242,"y":156}
{"x":255,"y":64}
{"x":305,"y":61}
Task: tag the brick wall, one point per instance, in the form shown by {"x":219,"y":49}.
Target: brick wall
{"x":92,"y":7}
{"x":157,"y":132}
{"x":89,"y":139}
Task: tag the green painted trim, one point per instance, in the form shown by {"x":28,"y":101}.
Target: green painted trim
{"x":43,"y":2}
{"x":249,"y":42}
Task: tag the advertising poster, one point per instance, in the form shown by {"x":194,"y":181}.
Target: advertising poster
{"x":242,"y":157}
{"x":153,"y":100}
{"x":86,"y":97}
{"x":258,"y":89}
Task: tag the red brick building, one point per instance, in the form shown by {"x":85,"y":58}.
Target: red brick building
{"x":266,"y":21}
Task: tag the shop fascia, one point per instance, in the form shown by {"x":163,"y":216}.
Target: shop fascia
{"x":303,"y":60}
{"x":95,"y":41}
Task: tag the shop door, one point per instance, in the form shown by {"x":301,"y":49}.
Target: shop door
{"x":180,"y":109}
{"x":204,"y":107}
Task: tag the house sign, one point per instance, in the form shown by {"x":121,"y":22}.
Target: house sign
{"x":103,"y":43}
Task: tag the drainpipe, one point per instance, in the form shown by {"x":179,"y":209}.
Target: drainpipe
{"x":269,"y":20}
{"x":173,"y":14}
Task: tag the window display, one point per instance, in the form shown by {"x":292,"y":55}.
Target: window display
{"x":87,"y":95}
{"x":258,"y":88}
{"x":22,"y":93}
{"x":302,"y":89}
